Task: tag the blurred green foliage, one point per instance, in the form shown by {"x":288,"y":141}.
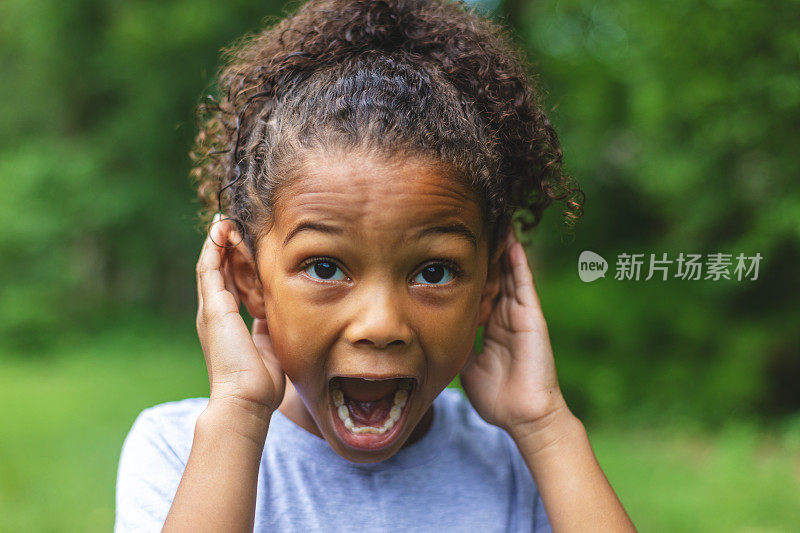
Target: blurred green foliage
{"x":97,"y":101}
{"x":680,"y":120}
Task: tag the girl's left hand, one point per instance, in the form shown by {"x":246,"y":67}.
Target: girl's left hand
{"x":512,"y":383}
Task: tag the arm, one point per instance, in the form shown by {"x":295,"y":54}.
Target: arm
{"x":512,"y":384}
{"x":575,"y":492}
{"x":218,"y":489}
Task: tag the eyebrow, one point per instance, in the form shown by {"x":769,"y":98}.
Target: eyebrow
{"x":312,"y":226}
{"x":454,"y":228}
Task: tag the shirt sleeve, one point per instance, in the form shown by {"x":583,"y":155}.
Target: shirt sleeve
{"x":148,"y":475}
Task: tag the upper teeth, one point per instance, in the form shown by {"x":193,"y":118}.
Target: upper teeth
{"x":400,"y":399}
{"x":338,"y":397}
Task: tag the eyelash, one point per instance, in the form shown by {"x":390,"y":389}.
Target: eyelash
{"x":451,"y":265}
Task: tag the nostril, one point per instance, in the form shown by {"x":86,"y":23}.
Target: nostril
{"x":377,"y":344}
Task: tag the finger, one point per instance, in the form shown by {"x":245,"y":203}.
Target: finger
{"x":233,"y":236}
{"x":202,"y":264}
{"x":523,"y":278}
{"x":513,"y":280}
{"x":261,"y":339}
{"x":261,"y":335}
{"x":259,"y":326}
{"x":508,"y":278}
{"x":473,"y":356}
{"x":227,"y":273}
{"x":206,"y":243}
{"x":214,"y":296}
{"x":512,"y":236}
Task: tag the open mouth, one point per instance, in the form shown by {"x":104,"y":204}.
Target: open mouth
{"x":369,"y":414}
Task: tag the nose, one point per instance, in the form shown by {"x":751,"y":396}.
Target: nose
{"x":378,"y":319}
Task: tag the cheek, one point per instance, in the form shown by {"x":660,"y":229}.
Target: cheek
{"x":451,"y":334}
{"x":290,"y":323}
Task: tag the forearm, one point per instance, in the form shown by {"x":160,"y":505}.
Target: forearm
{"x":218,"y":489}
{"x":575,"y":492}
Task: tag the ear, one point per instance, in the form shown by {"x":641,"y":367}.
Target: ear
{"x":492,"y":288}
{"x":244,"y":273}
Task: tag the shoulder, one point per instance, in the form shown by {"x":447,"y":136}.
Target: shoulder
{"x":492,"y":450}
{"x":483,"y":442}
{"x":177,"y":415}
{"x":152,"y":462}
{"x":165,"y":430}
{"x":172,"y":422}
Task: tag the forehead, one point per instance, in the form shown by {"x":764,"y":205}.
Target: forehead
{"x":363,"y":192}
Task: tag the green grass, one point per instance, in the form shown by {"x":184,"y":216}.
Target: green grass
{"x":738,"y":480}
{"x":64,"y":418}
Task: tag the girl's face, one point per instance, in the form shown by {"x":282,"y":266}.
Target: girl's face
{"x":372,"y":282}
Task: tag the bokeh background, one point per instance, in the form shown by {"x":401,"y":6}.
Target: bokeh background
{"x":679,"y":119}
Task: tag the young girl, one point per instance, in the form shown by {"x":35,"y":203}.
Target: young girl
{"x":368,"y":156}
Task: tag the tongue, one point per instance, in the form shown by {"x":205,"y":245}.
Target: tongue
{"x":369,"y":413}
{"x":369,"y":402}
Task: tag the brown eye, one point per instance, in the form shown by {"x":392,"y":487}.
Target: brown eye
{"x":434,"y":273}
{"x":323,"y":269}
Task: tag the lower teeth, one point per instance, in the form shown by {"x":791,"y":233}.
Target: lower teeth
{"x":400,"y":398}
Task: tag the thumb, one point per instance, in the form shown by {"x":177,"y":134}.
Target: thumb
{"x":472,"y":359}
{"x":263,"y":344}
{"x":261,"y":336}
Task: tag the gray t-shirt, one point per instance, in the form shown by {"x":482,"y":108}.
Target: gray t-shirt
{"x":462,"y":475}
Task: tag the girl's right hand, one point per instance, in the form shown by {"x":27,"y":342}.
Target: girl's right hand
{"x":242,"y":367}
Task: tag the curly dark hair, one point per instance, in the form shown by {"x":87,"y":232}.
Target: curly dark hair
{"x":430,"y":79}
